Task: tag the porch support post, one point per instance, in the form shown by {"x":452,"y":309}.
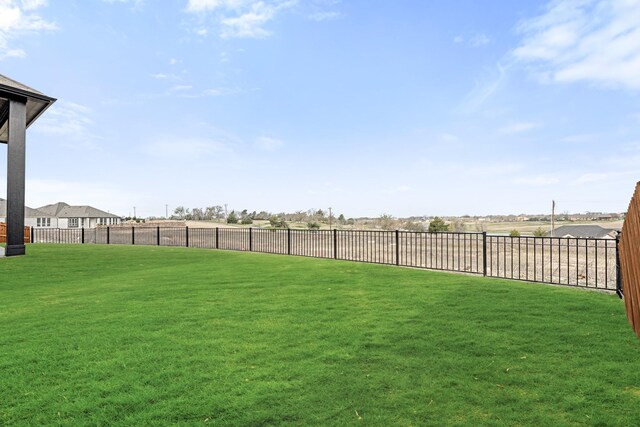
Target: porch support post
{"x":17,"y":124}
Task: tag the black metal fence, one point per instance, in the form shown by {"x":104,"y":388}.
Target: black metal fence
{"x":590,"y":263}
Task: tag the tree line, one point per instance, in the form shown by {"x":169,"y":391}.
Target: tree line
{"x":313,"y":218}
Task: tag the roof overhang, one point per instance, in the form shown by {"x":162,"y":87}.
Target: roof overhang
{"x":36,"y":102}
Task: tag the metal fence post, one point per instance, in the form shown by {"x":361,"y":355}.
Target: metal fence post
{"x":288,"y":241}
{"x":31,"y":236}
{"x":133,"y":235}
{"x":158,"y":235}
{"x":335,"y":243}
{"x":619,"y":289}
{"x":186,"y":234}
{"x":108,"y":235}
{"x":397,"y":247}
{"x":250,"y":239}
{"x":217,"y":240}
{"x":484,"y":253}
{"x":82,"y":241}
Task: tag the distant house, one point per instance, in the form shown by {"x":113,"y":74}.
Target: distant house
{"x":67,"y":216}
{"x":586,"y":231}
{"x":32,"y":217}
{"x":61,"y":215}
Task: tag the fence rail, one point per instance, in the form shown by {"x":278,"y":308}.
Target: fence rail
{"x":590,"y":263}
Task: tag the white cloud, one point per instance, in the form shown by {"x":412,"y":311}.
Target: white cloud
{"x":211,"y":5}
{"x":324,"y":16}
{"x":479,"y":40}
{"x":12,"y":53}
{"x":163,"y":76}
{"x":66,"y":119}
{"x":476,"y":40}
{"x":595,"y":41}
{"x":249,"y":24}
{"x":240,"y":18}
{"x":268,"y":144}
{"x":136,"y":3}
{"x":33,"y":4}
{"x":180,"y":88}
{"x":16,"y":20}
{"x":484,"y":89}
{"x":517,"y":127}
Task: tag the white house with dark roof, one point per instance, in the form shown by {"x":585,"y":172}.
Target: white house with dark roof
{"x":68,"y":216}
{"x":32,"y":217}
{"x":62,"y":215}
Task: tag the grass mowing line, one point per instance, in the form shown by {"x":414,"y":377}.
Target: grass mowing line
{"x":124,"y":335}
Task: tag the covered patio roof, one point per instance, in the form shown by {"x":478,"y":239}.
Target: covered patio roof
{"x":37,"y":103}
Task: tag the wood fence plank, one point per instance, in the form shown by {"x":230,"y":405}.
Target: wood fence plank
{"x":3,"y":233}
{"x":630,"y":261}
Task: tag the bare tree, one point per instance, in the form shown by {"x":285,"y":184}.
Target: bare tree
{"x":179,"y":212}
{"x":480,"y":226}
{"x":457,"y":225}
{"x":387,"y":222}
{"x":197,"y":214}
{"x":214,"y":212}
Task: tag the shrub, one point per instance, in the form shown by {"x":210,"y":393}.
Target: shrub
{"x":232,"y":218}
{"x":246,"y":220}
{"x":539,"y":232}
{"x":437,"y":224}
{"x":514,"y":233}
{"x":277,"y":222}
{"x":414,"y":226}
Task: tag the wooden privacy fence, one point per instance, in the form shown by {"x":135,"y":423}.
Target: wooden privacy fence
{"x":3,"y":233}
{"x":630,"y":261}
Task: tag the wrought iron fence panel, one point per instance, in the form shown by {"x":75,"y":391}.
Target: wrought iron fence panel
{"x":174,"y":236}
{"x":202,"y":238}
{"x":581,"y":262}
{"x":235,"y":239}
{"x":566,"y":261}
{"x":273,"y":241}
{"x":312,"y":243}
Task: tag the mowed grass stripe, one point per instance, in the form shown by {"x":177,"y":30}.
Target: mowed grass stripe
{"x":120,"y":335}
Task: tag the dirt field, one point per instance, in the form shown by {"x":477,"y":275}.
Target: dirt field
{"x":528,"y":227}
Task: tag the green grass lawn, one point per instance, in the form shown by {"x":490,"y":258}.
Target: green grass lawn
{"x":121,"y":335}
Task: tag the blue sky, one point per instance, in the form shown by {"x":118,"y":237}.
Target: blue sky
{"x":368,"y":107}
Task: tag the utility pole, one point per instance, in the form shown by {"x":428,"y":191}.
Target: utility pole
{"x":553,"y":216}
{"x":225,"y":211}
{"x":134,"y":212}
{"x":329,"y":218}
{"x":166,"y":211}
